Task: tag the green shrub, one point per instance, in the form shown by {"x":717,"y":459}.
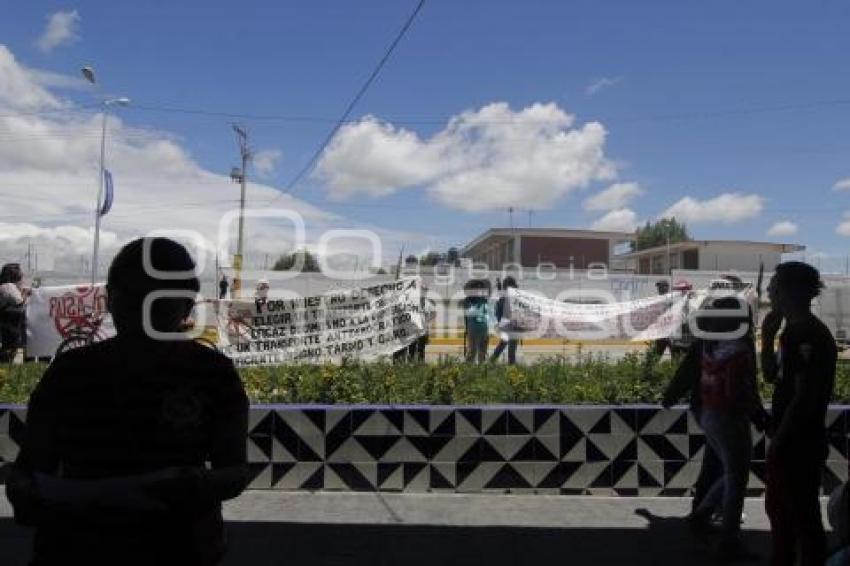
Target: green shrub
{"x":583,"y":379}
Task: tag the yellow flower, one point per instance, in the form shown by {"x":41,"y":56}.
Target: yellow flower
{"x":516,"y":377}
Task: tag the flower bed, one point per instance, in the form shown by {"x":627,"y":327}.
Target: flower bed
{"x":578,"y":380}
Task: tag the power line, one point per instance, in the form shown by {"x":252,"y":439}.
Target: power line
{"x":354,"y":100}
{"x":229,"y":115}
{"x":437,"y":120}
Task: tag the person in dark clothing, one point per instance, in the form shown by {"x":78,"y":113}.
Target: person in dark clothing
{"x":132,"y":443}
{"x":476,"y":311}
{"x":803,"y":374}
{"x":13,"y":297}
{"x":505,"y":340}
{"x":223,"y":285}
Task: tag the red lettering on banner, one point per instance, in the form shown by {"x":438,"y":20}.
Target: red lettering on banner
{"x":80,"y":310}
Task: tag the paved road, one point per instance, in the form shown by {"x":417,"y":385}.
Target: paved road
{"x":275,"y":528}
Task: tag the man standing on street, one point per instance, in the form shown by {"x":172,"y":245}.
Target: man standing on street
{"x":222,"y":287}
{"x":804,"y":375}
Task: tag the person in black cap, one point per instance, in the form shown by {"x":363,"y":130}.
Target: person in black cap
{"x":132,"y":443}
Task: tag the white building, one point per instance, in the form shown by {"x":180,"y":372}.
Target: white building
{"x":708,"y":255}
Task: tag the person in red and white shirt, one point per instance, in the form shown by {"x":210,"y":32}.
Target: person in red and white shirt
{"x":729,"y":396}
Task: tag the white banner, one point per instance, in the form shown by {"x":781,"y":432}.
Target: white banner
{"x":72,"y":315}
{"x":651,"y":318}
{"x":364,"y":323}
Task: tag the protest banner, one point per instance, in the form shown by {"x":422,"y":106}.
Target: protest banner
{"x":70,"y":314}
{"x":362,"y":323}
{"x":529,"y":314}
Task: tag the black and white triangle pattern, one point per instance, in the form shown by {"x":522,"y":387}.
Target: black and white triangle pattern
{"x":628,"y":450}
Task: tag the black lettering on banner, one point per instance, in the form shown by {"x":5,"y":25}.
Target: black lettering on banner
{"x":337,"y":324}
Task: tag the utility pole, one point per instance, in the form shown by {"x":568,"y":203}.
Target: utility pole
{"x":511,"y":215}
{"x":240,"y":176}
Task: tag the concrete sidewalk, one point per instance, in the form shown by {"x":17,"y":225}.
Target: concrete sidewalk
{"x":460,"y":510}
{"x":270,"y":528}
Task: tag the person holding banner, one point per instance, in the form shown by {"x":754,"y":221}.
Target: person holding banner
{"x":13,"y":298}
{"x":132,"y":443}
{"x":502,"y":321}
{"x":476,"y":310}
{"x":416,"y":350}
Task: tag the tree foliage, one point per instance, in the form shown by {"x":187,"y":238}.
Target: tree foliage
{"x":453,"y":256}
{"x":432,"y":258}
{"x":303,"y":258}
{"x":656,"y":234}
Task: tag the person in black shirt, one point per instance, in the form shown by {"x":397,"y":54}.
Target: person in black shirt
{"x":132,"y":443}
{"x":223,"y":285}
{"x":803,"y":374}
{"x":13,"y":298}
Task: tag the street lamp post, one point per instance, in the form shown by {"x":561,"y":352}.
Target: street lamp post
{"x":88,"y":73}
{"x":240,"y":176}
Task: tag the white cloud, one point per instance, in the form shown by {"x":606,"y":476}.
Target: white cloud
{"x":843,"y":229}
{"x":842,"y":185}
{"x":619,"y":220}
{"x":617,"y":195}
{"x":18,"y":89}
{"x":61,"y":29}
{"x":265,"y":161}
{"x":726,"y":208}
{"x":601,"y":83}
{"x":486,"y":159}
{"x":49,"y":79}
{"x":48,"y":173}
{"x":783,"y":228}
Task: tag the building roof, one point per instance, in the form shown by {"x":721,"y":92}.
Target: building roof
{"x":691,"y":244}
{"x":505,"y":233}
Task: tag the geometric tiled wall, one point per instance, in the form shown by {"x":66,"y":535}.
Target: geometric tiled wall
{"x":582,"y":450}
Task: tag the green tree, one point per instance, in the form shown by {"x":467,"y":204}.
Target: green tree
{"x":453,"y":256}
{"x":656,"y":234}
{"x":431,"y":258}
{"x":411,"y":260}
{"x":290,"y":261}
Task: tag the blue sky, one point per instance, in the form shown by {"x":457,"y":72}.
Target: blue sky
{"x":697,"y":99}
